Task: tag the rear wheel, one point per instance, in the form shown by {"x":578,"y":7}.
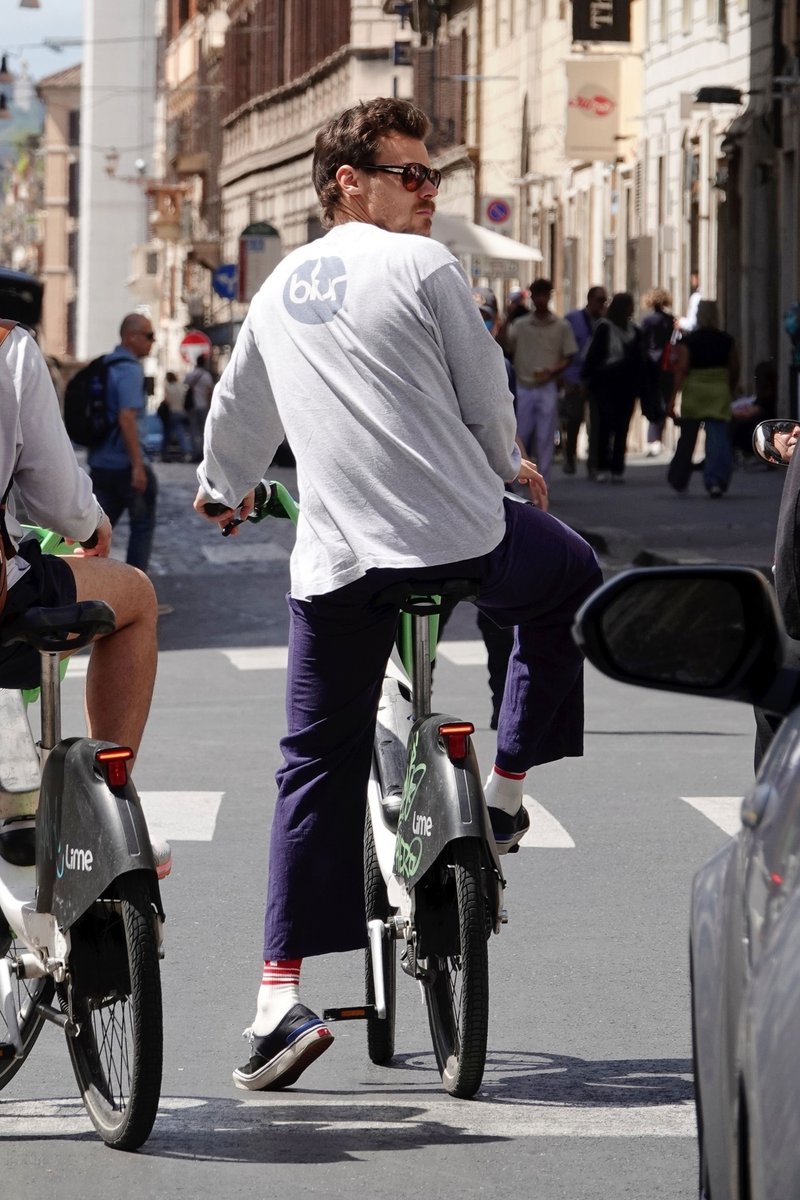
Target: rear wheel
{"x":380,"y":1032}
{"x":116,"y":1002}
{"x":26,"y":993}
{"x":457,"y":992}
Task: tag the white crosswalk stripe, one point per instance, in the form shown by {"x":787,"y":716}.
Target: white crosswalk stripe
{"x":464,"y":654}
{"x":258,"y":658}
{"x":724,"y":811}
{"x":545,"y":831}
{"x":234,"y":552}
{"x":177,"y":1115}
{"x":181,"y":816}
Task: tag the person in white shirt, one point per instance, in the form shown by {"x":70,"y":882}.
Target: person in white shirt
{"x":198,"y":385}
{"x":689,"y":322}
{"x":402,"y":423}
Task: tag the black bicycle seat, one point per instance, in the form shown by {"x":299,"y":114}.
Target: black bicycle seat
{"x":55,"y":630}
{"x":424,"y":597}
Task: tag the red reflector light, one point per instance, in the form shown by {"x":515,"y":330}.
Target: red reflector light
{"x":115,"y":764}
{"x":456,"y":737}
{"x":776,"y":879}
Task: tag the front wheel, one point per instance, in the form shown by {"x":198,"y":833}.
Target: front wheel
{"x":457,"y":991}
{"x":116,"y":1002}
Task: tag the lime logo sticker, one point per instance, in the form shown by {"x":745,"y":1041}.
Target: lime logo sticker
{"x":315,"y":292}
{"x":73,"y":859}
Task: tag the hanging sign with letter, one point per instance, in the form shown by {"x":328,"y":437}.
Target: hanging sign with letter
{"x":601,"y":21}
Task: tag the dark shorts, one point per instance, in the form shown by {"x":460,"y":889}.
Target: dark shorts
{"x":49,"y":583}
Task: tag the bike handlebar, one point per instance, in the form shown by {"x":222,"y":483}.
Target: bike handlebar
{"x":271,"y":499}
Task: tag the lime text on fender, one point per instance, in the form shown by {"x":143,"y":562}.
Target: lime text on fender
{"x":77,"y":860}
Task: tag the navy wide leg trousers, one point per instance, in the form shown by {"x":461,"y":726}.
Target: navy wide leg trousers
{"x":339,"y":644}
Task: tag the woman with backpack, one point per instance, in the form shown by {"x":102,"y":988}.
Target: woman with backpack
{"x":659,"y":336}
{"x":614,"y":374}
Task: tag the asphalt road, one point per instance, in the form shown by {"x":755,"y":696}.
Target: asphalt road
{"x":587,"y":1093}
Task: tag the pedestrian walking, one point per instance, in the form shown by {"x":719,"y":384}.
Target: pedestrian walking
{"x":613,"y":369}
{"x":706,"y":374}
{"x":688,"y":323}
{"x":575,"y":396}
{"x":540,"y":346}
{"x":516,"y":307}
{"x":122,"y":478}
{"x":174,"y":419}
{"x":660,"y":338}
{"x":749,"y":411}
{"x":198,"y":387}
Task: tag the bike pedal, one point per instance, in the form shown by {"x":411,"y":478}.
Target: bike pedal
{"x":356,"y":1012}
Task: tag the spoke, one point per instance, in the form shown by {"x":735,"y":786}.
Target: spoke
{"x":112,"y":1037}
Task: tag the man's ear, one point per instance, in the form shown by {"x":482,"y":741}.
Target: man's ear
{"x":348,"y":181}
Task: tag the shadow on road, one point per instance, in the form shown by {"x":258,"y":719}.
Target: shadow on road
{"x":520,"y":1075}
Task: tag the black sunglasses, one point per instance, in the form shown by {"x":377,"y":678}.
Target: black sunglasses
{"x":413,"y":174}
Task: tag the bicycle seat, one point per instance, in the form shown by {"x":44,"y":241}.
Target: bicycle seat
{"x":419,"y":596}
{"x":58,"y":629}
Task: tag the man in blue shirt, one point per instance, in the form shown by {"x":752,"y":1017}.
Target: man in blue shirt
{"x":583,"y":321}
{"x":121,"y":477}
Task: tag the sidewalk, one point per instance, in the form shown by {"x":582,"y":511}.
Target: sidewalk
{"x":644,"y":522}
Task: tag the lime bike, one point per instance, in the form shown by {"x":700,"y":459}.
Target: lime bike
{"x":81,"y":917}
{"x":433,"y":880}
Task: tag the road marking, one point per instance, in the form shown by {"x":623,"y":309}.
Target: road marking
{"x":545,"y":831}
{"x":259,"y":658}
{"x":181,"y":816}
{"x":78,"y":666}
{"x":464,"y":654}
{"x":724,"y":811}
{"x":233,"y":552}
{"x":180,"y":1117}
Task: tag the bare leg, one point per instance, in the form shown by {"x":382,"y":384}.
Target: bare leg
{"x":122,"y":669}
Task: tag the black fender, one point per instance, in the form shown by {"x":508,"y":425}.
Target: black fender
{"x":87,"y":833}
{"x":442,"y":802}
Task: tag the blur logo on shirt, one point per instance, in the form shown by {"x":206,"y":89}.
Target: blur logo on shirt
{"x":315,"y":292}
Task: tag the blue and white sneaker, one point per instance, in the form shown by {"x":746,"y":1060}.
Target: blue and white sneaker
{"x":278,"y":1059}
{"x":509,"y":831}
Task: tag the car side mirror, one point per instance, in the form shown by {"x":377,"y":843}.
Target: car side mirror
{"x":774,"y":441}
{"x":706,"y":631}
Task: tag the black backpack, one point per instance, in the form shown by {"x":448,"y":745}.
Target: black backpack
{"x":86,"y":414}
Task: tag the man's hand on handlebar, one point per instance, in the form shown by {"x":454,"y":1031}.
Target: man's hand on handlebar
{"x":98,"y":545}
{"x":228,"y":519}
{"x":536,"y":484}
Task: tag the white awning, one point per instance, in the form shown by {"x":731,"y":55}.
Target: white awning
{"x":464,"y":237}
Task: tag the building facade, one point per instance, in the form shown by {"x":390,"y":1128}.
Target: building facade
{"x":118,"y":92}
{"x":60,"y":150}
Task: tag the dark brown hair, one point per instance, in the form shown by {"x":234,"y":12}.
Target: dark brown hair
{"x":353,"y":138}
{"x":620,"y":310}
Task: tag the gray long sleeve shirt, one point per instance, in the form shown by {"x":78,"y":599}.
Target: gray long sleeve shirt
{"x":35,"y":449}
{"x":367,"y":350}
